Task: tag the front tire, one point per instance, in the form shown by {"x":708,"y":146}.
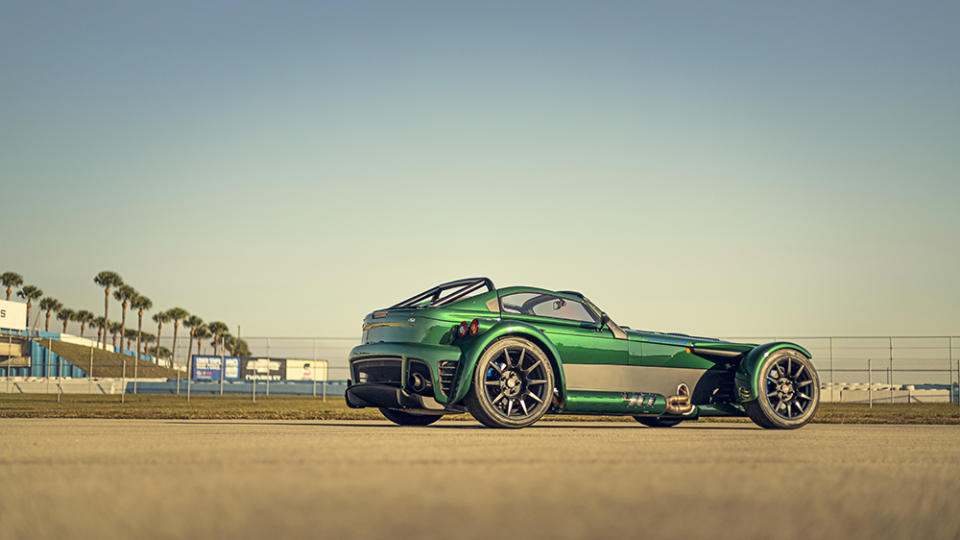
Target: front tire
{"x":789,"y":391}
{"x":512,"y":384}
{"x":409,"y":419}
{"x":660,"y":422}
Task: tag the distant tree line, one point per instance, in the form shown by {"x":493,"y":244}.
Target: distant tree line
{"x":127,"y":297}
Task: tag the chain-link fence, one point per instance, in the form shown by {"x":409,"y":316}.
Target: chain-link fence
{"x":918,"y":365}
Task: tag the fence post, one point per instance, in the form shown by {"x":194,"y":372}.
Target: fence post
{"x":9,"y":367}
{"x":869,"y":383}
{"x":90,"y":373}
{"x":268,"y":367}
{"x":950,"y":369}
{"x":123,"y":381}
{"x":890,"y":376}
{"x":47,"y":360}
{"x":136,"y":363}
{"x":189,"y":376}
{"x":831,"y":369}
{"x":313,"y":368}
{"x":223,"y":365}
{"x":60,"y":379}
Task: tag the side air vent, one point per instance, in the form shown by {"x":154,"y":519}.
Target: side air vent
{"x":448,"y":368}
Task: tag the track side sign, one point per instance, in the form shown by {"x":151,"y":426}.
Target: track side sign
{"x":13,"y":315}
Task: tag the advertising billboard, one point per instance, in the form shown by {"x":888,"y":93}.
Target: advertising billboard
{"x":13,"y":315}
{"x":261,"y":369}
{"x":208,"y":368}
{"x":306,"y":370}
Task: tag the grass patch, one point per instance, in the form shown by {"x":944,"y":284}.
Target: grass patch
{"x":106,"y":363}
{"x":310,"y":408}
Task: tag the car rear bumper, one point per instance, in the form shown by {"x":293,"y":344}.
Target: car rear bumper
{"x":391,"y":365}
{"x":389,"y":397}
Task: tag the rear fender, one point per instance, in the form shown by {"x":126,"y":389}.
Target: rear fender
{"x":472,"y":352}
{"x":747,"y":377}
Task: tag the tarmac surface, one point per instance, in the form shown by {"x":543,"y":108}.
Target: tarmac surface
{"x":105,"y":479}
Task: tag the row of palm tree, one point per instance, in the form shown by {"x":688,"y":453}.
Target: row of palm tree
{"x":128,"y":297}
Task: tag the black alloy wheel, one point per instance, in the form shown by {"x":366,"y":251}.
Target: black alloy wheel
{"x":789,"y":391}
{"x":512,"y":385}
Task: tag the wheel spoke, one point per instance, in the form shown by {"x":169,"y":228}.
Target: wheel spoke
{"x":523,"y":405}
{"x":496,"y":399}
{"x":779,"y":405}
{"x":520,"y":361}
{"x":804,"y":383}
{"x":771,"y":394}
{"x":772,"y":379}
{"x":506,"y":354}
{"x":804,"y":396}
{"x":492,"y":383}
{"x":799,"y":407}
{"x":533,"y":366}
{"x":534,"y":396}
{"x":532,"y":382}
{"x":789,"y":365}
{"x":799,"y":371}
{"x":509,"y":406}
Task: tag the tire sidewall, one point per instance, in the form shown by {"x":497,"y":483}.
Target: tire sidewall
{"x":489,"y":414}
{"x":766,"y":408}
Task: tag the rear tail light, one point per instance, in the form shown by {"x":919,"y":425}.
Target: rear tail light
{"x":474,"y":327}
{"x":462,"y":329}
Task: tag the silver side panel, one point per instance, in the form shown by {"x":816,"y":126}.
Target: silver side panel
{"x":607,"y":378}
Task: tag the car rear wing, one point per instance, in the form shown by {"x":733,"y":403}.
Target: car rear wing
{"x":446,"y":293}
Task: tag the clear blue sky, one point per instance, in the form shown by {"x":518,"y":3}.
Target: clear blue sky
{"x":750,"y":168}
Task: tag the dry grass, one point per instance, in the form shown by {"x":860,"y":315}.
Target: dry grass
{"x":310,"y":408}
{"x":106,"y":364}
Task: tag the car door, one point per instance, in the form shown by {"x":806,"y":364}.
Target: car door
{"x":593,"y":359}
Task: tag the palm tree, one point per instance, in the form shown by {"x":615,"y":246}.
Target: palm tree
{"x":124,"y":294}
{"x":201,"y":332}
{"x":130,"y":335}
{"x":107,"y":279}
{"x":98,"y":323}
{"x":11,"y":280}
{"x":84,"y":317}
{"x":141,"y":303}
{"x":66,"y":315}
{"x":237,"y":347}
{"x":146,"y":338}
{"x":160,"y":318}
{"x":193,"y":322}
{"x":114,"y":330}
{"x":29,"y":293}
{"x":218,"y":329}
{"x":49,"y":304}
{"x":176,"y":315}
{"x":159,"y":352}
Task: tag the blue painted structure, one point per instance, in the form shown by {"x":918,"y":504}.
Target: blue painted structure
{"x":277,"y":388}
{"x":44,"y":363}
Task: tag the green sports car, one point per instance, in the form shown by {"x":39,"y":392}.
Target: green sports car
{"x":511,"y":355}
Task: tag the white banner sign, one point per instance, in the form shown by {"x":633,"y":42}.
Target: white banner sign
{"x":13,"y":315}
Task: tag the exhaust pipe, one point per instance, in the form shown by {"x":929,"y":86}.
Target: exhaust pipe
{"x":680,"y":403}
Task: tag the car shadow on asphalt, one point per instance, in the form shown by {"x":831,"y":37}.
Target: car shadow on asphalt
{"x":460,"y":425}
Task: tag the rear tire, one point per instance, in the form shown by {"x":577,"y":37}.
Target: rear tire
{"x":660,"y":422}
{"x":512,"y":386}
{"x":789,"y":391}
{"x":409,"y":419}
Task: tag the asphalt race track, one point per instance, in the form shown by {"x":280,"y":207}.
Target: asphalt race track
{"x":105,"y":479}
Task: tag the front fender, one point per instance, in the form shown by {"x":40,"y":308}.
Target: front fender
{"x":747,"y":377}
{"x":472,"y":352}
